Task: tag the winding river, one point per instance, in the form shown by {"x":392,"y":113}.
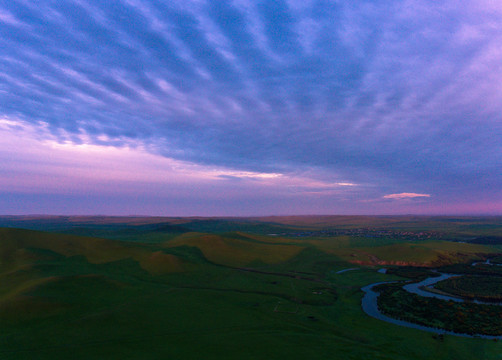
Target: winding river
{"x":370,"y":307}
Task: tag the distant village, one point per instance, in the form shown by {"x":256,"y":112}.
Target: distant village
{"x":368,"y":233}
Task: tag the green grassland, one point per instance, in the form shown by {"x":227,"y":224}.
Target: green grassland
{"x":152,"y":288}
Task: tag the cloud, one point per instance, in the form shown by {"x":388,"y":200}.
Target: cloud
{"x":405,"y":196}
{"x":7,"y":18}
{"x":47,"y":165}
{"x":386,"y":94}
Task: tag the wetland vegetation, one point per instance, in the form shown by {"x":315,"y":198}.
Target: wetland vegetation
{"x":478,"y":287}
{"x":459,"y":317}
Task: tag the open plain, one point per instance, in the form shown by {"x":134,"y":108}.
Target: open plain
{"x":226,"y":288}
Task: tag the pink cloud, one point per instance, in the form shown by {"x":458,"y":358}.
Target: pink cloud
{"x":405,"y":196}
{"x":45,"y":165}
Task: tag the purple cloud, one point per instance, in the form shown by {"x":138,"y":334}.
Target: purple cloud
{"x":405,"y":196}
{"x":390,"y":96}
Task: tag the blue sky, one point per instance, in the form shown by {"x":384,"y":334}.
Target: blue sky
{"x":250,"y":107}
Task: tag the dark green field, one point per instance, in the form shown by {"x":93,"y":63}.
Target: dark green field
{"x":488,"y":288}
{"x":195,"y":288}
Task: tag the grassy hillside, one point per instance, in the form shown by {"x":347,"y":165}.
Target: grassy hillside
{"x":219,"y":295}
{"x":234,"y":251}
{"x":22,"y":247}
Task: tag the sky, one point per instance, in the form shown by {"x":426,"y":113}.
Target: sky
{"x":248,"y":107}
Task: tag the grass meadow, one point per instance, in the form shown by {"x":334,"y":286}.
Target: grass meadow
{"x":222,"y":294}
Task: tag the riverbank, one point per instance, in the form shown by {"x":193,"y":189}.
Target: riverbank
{"x":371,"y":297}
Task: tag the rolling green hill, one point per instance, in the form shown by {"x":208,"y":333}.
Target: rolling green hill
{"x":214,"y":295}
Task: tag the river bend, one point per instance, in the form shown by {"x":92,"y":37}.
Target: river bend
{"x":370,"y":307}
